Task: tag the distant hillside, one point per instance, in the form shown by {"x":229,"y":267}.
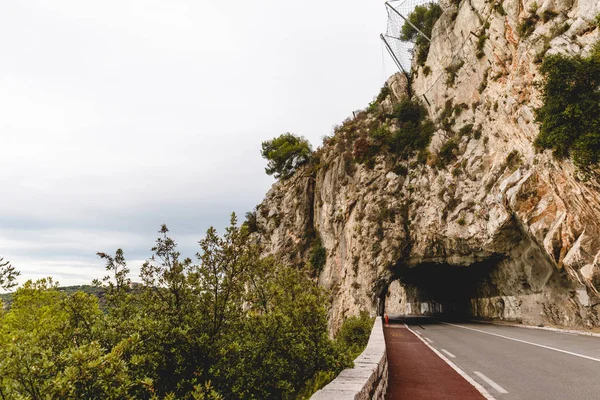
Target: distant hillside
{"x":69,"y":290}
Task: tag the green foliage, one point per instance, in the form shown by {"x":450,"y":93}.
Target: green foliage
{"x":513,"y":161}
{"x":231,"y":325}
{"x":424,"y":18}
{"x":548,"y":15}
{"x":466,"y":130}
{"x":8,"y":275}
{"x":285,"y":154}
{"x":354,"y":333}
{"x":318,"y":255}
{"x":527,"y":26}
{"x":570,"y":116}
{"x":447,"y":153}
{"x":452,"y":71}
{"x":251,"y":223}
{"x":597,"y":20}
{"x":480,"y":45}
{"x":499,"y":8}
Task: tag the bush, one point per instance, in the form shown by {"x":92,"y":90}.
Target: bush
{"x":527,"y":26}
{"x":318,"y":256}
{"x":452,"y":71}
{"x":598,"y":20}
{"x":548,"y":14}
{"x":285,"y":154}
{"x":570,"y":115}
{"x":447,"y":153}
{"x":354,"y":333}
{"x":480,"y":45}
{"x":423,"y":17}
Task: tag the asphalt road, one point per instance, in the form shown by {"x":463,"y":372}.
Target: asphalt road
{"x":518,"y":363}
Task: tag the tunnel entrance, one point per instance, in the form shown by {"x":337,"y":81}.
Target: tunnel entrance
{"x":442,"y":290}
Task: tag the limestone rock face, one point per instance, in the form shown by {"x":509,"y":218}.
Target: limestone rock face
{"x":502,"y":231}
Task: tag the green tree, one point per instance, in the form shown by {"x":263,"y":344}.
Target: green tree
{"x":424,"y":18}
{"x":8,"y":275}
{"x":570,"y":116}
{"x":285,"y":154}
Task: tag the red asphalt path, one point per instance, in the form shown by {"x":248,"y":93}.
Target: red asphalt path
{"x":417,"y":373}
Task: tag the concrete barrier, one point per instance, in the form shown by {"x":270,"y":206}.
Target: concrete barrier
{"x":369,"y":377}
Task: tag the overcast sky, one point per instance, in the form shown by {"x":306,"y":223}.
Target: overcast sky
{"x":117,"y":116}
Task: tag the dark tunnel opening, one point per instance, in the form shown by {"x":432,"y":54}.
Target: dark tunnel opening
{"x":440,"y":289}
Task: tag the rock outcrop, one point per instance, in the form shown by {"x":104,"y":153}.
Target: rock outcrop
{"x":502,"y":231}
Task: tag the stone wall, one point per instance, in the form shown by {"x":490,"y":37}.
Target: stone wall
{"x":369,"y":377}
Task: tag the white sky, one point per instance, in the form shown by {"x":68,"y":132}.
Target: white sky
{"x":119,"y":115}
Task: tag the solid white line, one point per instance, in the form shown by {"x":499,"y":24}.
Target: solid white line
{"x":462,"y":373}
{"x":429,"y":340}
{"x":490,"y":382}
{"x":448,"y":353}
{"x":526,"y":342}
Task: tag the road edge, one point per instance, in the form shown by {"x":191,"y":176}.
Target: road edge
{"x":541,"y":328}
{"x":455,"y":367}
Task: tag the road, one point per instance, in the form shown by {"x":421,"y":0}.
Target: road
{"x":517,"y":363}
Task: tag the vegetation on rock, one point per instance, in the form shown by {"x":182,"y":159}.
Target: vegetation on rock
{"x":570,"y":116}
{"x":285,"y":154}
{"x":423,"y":17}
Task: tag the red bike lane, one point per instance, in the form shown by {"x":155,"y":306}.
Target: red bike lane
{"x":415,"y":372}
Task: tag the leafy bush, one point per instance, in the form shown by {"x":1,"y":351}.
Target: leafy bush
{"x":424,"y":18}
{"x":447,"y":153}
{"x":233,"y":325}
{"x":548,"y":14}
{"x":480,"y":45}
{"x":318,"y":255}
{"x":499,"y":8}
{"x":570,"y":116}
{"x":597,"y":20}
{"x":527,"y":26}
{"x":354,"y":333}
{"x":452,"y":71}
{"x":285,"y":154}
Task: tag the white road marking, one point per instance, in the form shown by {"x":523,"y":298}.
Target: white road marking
{"x":462,"y":373}
{"x":526,"y":342}
{"x":429,"y":340}
{"x":490,"y":382}
{"x":418,"y":333}
{"x":448,"y":353}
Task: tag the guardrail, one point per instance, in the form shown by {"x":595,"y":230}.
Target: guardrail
{"x":369,"y":377}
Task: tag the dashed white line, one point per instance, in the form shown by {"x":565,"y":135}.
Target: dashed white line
{"x":429,"y":340}
{"x":462,"y":373}
{"x":526,"y":342}
{"x":448,"y":353}
{"x":490,"y":382}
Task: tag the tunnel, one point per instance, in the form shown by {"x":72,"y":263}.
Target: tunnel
{"x":440,"y":289}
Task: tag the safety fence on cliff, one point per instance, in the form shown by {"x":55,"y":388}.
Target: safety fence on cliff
{"x":369,"y":377}
{"x":402,"y":49}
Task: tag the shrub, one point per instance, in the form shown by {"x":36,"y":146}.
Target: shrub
{"x":466,"y":130}
{"x":462,"y":221}
{"x":354,"y":333}
{"x":597,"y":20}
{"x":547,"y":15}
{"x":285,"y":154}
{"x":452,"y":71}
{"x":513,"y":161}
{"x":423,"y":17}
{"x":499,"y":8}
{"x":426,"y":70}
{"x":480,"y":45}
{"x":318,"y":256}
{"x":527,"y":26}
{"x":250,"y":222}
{"x":570,"y":115}
{"x":447,"y":153}
{"x":414,"y":133}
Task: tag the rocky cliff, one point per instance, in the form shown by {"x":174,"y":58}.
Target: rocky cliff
{"x":499,"y":230}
